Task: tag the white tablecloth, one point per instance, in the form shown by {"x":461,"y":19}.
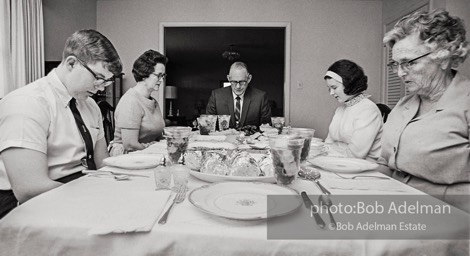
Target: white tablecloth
{"x":59,"y":222}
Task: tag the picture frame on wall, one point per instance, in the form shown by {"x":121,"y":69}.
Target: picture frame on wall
{"x":224,"y":84}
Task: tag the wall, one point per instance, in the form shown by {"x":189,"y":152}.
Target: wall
{"x":323,"y":31}
{"x":461,"y":8}
{"x":61,"y":19}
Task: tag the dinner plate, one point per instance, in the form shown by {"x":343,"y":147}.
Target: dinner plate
{"x":134,"y":161}
{"x":208,"y":177}
{"x":343,"y":165}
{"x":245,"y":200}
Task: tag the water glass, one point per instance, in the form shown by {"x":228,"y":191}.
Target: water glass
{"x":211,"y":121}
{"x":180,"y":176}
{"x":278,"y":123}
{"x":162,"y":176}
{"x":285,"y":153}
{"x":224,"y":122}
{"x":307,"y":135}
{"x":177,"y":138}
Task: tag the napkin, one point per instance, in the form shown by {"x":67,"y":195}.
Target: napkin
{"x":130,"y":212}
{"x":157,"y":148}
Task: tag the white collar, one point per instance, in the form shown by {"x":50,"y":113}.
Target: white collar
{"x":235,"y":96}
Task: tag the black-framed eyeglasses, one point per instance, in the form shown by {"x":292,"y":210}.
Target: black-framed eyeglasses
{"x":98,"y":80}
{"x":159,"y":76}
{"x":241,"y":83}
{"x":405,"y":65}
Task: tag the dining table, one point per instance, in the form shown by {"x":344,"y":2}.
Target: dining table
{"x":101,"y":215}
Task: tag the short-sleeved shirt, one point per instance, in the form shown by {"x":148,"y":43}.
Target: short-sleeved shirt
{"x":137,"y":112}
{"x":360,"y":127}
{"x":37,"y":116}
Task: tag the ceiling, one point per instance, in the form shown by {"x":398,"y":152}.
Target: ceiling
{"x":195,"y":44}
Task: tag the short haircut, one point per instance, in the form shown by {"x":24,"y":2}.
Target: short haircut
{"x":91,"y":46}
{"x":240,"y":65}
{"x":354,"y":79}
{"x":144,"y":66}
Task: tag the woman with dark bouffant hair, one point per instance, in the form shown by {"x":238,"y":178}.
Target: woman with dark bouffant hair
{"x":356,"y":127}
{"x":139,"y":121}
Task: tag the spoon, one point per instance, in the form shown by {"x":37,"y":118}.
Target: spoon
{"x":312,"y":174}
{"x":325,"y":201}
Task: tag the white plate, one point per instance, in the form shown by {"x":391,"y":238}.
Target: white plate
{"x":134,"y":161}
{"x":218,"y":178}
{"x":244,"y":200}
{"x":343,"y":165}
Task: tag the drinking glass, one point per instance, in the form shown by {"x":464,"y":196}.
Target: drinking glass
{"x":204,"y":129}
{"x":211,"y":121}
{"x":278,"y":123}
{"x":224,"y":122}
{"x":285,"y":152}
{"x":180,"y":177}
{"x":307,"y":135}
{"x":162,"y":176}
{"x":177,"y":138}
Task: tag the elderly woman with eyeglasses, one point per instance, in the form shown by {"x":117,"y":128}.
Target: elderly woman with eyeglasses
{"x":426,"y":138}
{"x":138,"y":119}
{"x":356,"y":127}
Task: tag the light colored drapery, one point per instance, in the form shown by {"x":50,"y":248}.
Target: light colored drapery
{"x":22,"y":44}
{"x":5,"y":55}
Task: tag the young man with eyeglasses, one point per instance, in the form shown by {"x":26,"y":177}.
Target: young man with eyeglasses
{"x":245,"y":105}
{"x":51,"y":130}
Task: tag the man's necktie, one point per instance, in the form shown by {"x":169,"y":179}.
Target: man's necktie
{"x":237,"y":111}
{"x":85,"y":135}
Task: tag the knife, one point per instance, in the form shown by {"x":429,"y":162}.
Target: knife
{"x":309,"y":204}
{"x":113,"y":173}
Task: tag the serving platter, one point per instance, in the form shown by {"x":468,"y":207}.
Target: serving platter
{"x":220,"y":178}
{"x":245,"y":200}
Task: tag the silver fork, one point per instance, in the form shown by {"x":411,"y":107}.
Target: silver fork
{"x":181,"y":194}
{"x":361,"y":176}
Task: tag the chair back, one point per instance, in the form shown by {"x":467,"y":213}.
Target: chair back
{"x":107,"y":111}
{"x":384,"y":110}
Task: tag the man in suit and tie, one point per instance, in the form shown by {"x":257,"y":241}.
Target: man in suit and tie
{"x":245,"y":105}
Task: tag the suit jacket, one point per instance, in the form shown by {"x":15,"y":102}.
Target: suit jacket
{"x":255,"y":109}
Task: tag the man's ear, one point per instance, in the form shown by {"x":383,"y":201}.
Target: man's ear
{"x":71,"y":62}
{"x":249,"y":79}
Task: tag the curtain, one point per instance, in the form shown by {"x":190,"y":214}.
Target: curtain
{"x":24,"y":56}
{"x":5,"y":55}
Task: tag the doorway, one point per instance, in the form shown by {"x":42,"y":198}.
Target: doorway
{"x":196,"y":64}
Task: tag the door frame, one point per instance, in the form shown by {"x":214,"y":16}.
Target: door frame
{"x":287,"y":38}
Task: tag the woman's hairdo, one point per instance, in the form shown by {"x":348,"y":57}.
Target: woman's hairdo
{"x":145,"y":64}
{"x":354,"y":79}
{"x":438,"y":30}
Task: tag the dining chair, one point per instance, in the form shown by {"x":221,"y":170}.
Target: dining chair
{"x":107,"y":111}
{"x":384,"y":110}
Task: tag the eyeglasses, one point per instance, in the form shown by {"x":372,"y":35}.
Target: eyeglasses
{"x":98,"y":80}
{"x":405,"y":65}
{"x":241,"y":83}
{"x":159,"y":76}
